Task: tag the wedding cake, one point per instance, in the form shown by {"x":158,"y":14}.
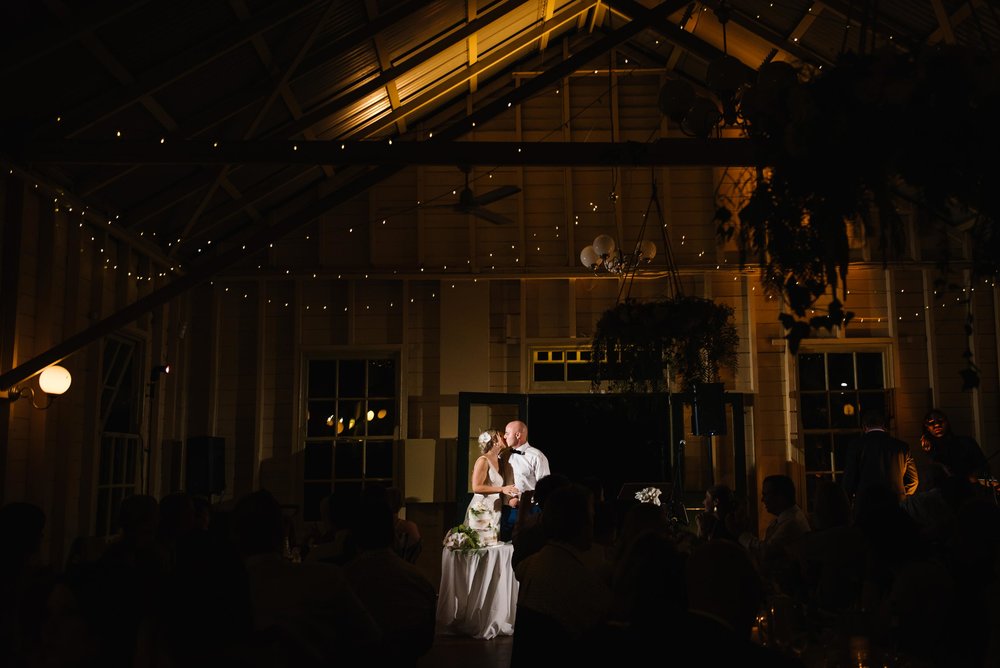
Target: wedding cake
{"x":484,"y":521}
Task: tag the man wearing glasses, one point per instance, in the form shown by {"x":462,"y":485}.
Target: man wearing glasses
{"x":960,"y":455}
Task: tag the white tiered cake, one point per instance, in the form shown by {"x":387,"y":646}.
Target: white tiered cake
{"x":485,"y":522}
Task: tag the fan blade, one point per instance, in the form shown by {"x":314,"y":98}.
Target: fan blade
{"x":494,"y":195}
{"x":488,"y":215}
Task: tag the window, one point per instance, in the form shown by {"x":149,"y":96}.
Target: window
{"x":560,"y":365}
{"x":120,"y":457}
{"x":351,"y":421}
{"x":835,"y":388}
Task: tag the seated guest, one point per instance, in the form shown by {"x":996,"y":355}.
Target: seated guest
{"x":309,"y":605}
{"x":401,"y":598}
{"x":724,"y":596}
{"x":770,"y":552}
{"x":529,"y":536}
{"x":719,"y":503}
{"x":563,"y":595}
{"x":406,"y":541}
{"x":831,"y":556}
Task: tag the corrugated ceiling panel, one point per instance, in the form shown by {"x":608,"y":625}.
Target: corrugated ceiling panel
{"x":420,"y":30}
{"x":498,"y":32}
{"x":347,"y":70}
{"x":430,"y":72}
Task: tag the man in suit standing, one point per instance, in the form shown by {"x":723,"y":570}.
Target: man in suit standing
{"x":877,"y":459}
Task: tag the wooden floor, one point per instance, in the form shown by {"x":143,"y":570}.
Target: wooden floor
{"x":451,"y":650}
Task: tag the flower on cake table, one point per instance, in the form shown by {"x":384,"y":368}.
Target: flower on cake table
{"x":462,"y":539}
{"x":649,"y":495}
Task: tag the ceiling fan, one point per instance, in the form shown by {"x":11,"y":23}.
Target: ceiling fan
{"x":469,"y":202}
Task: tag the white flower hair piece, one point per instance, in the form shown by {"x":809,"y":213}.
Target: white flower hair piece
{"x":485,"y":437}
{"x":649,"y":495}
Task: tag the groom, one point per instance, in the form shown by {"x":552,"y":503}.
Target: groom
{"x":529,"y":464}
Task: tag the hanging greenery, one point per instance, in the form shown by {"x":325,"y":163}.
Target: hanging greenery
{"x":845,"y":147}
{"x":641,"y":346}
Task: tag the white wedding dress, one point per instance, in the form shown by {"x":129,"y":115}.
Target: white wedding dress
{"x":483,"y":513}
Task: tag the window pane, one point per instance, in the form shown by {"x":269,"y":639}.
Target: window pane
{"x":871,"y":400}
{"x":557,"y":355}
{"x":352,"y":378}
{"x":840,"y":367}
{"x":130,"y":452}
{"x":548,"y":371}
{"x":577,"y":372}
{"x":379,"y":459}
{"x":543,"y":355}
{"x":844,"y":412}
{"x":383,"y":417}
{"x":348,"y":459}
{"x":811,"y":372}
{"x":321,"y":419}
{"x":104,"y":478}
{"x":870,"y":375}
{"x":118,"y":465}
{"x":840,"y":443}
{"x":381,"y":378}
{"x":815,"y":414}
{"x":322,"y":378}
{"x":585,"y":355}
{"x":318,"y":461}
{"x":313,"y":494}
{"x":350,"y":415}
{"x":817,"y":452}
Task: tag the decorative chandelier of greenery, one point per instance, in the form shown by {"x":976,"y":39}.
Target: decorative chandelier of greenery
{"x":644,"y":346}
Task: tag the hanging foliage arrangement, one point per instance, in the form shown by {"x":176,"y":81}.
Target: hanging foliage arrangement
{"x":846,"y":147}
{"x":642,"y":346}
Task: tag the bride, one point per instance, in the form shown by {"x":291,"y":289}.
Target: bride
{"x":488,"y":476}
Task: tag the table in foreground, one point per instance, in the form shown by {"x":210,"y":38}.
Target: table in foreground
{"x":478,"y":592}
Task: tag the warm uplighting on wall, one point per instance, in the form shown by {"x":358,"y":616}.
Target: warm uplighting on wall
{"x":53,"y":381}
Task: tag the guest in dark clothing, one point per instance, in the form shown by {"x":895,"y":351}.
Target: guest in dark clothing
{"x":960,"y":455}
{"x":724,"y":595}
{"x":24,"y":581}
{"x":876,"y":458}
{"x":529,"y":537}
{"x":401,"y":599}
{"x":719,"y":503}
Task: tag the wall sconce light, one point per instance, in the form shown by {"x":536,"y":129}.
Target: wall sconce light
{"x":53,"y":381}
{"x":158,"y":371}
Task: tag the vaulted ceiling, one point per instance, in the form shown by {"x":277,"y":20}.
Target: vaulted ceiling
{"x":188,"y":121}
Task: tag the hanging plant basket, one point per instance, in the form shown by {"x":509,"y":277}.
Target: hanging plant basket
{"x":644,"y":346}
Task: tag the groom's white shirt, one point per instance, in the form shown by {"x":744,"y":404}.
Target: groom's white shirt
{"x":528,"y":466}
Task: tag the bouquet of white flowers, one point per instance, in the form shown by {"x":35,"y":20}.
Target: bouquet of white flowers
{"x":462,"y":539}
{"x":649,"y":495}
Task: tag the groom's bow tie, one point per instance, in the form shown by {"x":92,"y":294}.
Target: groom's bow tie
{"x":516,"y":452}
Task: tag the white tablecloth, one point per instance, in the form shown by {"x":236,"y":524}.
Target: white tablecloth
{"x":478,"y":593}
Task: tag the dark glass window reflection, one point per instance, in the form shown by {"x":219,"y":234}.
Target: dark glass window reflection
{"x":835,"y":389}
{"x":352,"y":415}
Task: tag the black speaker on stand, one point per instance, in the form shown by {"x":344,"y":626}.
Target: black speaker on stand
{"x":205,"y":466}
{"x":708,"y":415}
